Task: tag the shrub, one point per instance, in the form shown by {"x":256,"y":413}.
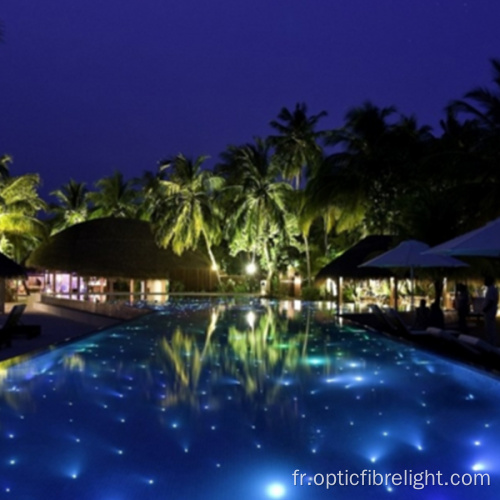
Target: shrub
{"x":310,"y":293}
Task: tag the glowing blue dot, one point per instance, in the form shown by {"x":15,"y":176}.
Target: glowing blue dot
{"x":151,"y":481}
{"x":477,"y":443}
{"x":478,"y":466}
{"x":276,"y":490}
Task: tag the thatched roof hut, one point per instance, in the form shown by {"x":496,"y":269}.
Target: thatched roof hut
{"x":347,"y":265}
{"x":10,"y":268}
{"x":114,"y":248}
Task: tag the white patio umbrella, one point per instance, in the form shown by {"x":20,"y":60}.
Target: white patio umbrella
{"x":412,"y":254}
{"x":482,"y":242}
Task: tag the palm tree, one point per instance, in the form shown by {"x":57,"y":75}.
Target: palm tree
{"x":377,"y":159}
{"x":71,"y":207}
{"x":482,"y":107}
{"x":296,"y":145}
{"x":20,"y":230}
{"x":186,"y":211}
{"x":5,"y":161}
{"x":152,"y":190}
{"x":306,"y":214}
{"x":257,"y":202}
{"x":335,"y":198}
{"x":114,"y":198}
{"x":487,"y":103}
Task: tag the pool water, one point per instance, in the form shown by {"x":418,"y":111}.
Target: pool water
{"x":208,"y":400}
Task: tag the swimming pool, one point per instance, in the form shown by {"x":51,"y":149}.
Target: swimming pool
{"x":221,"y":401}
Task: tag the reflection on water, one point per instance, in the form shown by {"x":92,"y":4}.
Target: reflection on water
{"x":214,"y":400}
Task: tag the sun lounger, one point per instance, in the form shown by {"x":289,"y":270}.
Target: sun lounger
{"x":14,"y":327}
{"x":384,"y":323}
{"x":392,"y":323}
{"x":480,"y":344}
{"x":436,"y":339}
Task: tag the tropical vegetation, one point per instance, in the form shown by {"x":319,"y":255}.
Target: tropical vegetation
{"x":297,"y":198}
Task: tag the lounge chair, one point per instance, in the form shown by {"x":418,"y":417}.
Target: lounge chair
{"x":390,"y":321}
{"x":436,"y":339}
{"x":14,"y":327}
{"x":431,"y":330}
{"x":481,"y":345}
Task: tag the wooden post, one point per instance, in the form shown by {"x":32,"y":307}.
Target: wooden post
{"x":340,"y":286}
{"x":131,"y":289}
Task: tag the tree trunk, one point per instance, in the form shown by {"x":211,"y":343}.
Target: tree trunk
{"x":270,"y":270}
{"x":308,"y":260}
{"x":325,"y":224}
{"x":212,"y":258}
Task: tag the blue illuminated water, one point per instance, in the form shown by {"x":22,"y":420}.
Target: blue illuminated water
{"x":213,"y":401}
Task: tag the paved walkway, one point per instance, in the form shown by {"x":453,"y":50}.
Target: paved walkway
{"x":55,"y":329}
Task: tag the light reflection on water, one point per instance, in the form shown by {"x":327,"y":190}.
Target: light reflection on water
{"x":214,"y":401}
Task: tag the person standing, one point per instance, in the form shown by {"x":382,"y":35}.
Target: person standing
{"x":490,"y":308}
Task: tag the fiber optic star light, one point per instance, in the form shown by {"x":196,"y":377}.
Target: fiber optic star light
{"x":194,"y":402}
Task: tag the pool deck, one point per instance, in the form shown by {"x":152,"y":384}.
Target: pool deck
{"x":56,"y":326}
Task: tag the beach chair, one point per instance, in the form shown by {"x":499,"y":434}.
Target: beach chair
{"x":383,"y":321}
{"x":12,"y":319}
{"x":14,"y":327}
{"x":481,"y":345}
{"x":401,"y":326}
{"x":437,"y":339}
{"x":391,"y":322}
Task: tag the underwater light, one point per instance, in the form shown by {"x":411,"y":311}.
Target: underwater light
{"x":276,"y":490}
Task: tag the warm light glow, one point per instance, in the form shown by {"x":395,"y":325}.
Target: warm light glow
{"x":251,"y":268}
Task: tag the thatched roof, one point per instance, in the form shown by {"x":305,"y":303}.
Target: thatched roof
{"x":112,"y":247}
{"x":347,"y":264}
{"x":10,"y":268}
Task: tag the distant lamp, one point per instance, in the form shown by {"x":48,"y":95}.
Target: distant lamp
{"x":251,"y":268}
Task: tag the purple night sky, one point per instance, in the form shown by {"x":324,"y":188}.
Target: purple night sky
{"x":90,"y":87}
